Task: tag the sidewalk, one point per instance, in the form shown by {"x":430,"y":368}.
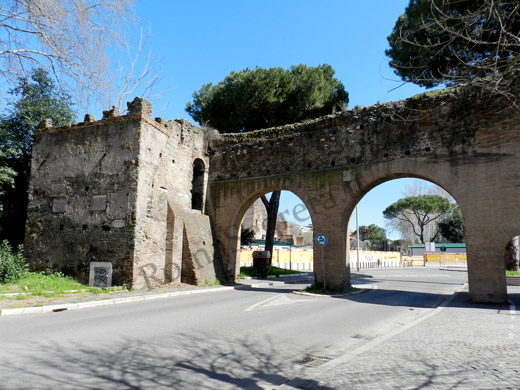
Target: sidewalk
{"x":37,"y":305}
{"x":76,"y":301}
{"x":460,"y":346}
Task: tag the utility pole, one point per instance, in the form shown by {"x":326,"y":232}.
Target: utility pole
{"x":357,"y":237}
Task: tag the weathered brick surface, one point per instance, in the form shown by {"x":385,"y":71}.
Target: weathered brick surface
{"x":120,"y":189}
{"x":115,"y":190}
{"x":466,"y":144}
{"x":97,"y":188}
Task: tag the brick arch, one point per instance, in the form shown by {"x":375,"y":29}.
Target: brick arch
{"x":480,"y":249}
{"x":383,"y":179}
{"x":242,"y":209}
{"x":402,"y":171}
{"x":468,"y":145}
{"x":235,"y":199}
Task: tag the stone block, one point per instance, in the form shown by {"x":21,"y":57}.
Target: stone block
{"x":118,"y":223}
{"x":59,"y":205}
{"x":99,"y":203}
{"x":100,"y":274}
{"x":139,"y":105}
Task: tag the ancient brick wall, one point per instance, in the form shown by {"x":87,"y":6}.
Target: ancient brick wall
{"x":151,"y":196}
{"x":464,"y":142}
{"x":164,"y":206}
{"x":82,"y":197}
{"x":431,"y":128}
{"x":119,"y":190}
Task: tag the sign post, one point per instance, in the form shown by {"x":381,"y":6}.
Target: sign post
{"x":443,"y":249}
{"x":321,"y":240}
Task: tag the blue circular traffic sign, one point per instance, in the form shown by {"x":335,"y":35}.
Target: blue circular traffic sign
{"x":321,"y":239}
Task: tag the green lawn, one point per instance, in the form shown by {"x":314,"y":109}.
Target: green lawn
{"x":37,"y":283}
{"x":512,"y":273}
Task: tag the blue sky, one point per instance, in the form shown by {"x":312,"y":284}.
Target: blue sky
{"x":202,"y":41}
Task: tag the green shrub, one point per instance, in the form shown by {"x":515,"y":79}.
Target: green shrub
{"x":12,"y":265}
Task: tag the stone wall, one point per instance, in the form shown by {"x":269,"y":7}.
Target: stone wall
{"x":119,"y":190}
{"x":256,"y":219}
{"x":429,"y":128}
{"x":467,"y":143}
{"x":82,"y":197}
{"x":164,"y":204}
{"x":163,"y":201}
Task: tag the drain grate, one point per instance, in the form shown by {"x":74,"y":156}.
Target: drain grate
{"x":312,"y":361}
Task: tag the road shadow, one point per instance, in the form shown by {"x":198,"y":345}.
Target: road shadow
{"x":179,"y":361}
{"x":387,"y":297}
{"x":398,"y":297}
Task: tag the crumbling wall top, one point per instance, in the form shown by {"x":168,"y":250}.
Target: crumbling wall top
{"x":139,"y":106}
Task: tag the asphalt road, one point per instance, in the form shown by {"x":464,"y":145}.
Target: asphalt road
{"x":239,"y":339}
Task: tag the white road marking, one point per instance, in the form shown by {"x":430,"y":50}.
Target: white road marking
{"x":279,"y":300}
{"x":261,"y":303}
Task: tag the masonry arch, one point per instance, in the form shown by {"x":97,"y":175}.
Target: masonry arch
{"x":235,"y":221}
{"x":484,"y":251}
{"x":399,"y":240}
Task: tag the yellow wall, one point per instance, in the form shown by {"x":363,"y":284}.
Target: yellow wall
{"x":280,"y":256}
{"x":305,"y":256}
{"x":446,"y":258}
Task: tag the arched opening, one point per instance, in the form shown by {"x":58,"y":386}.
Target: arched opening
{"x":512,"y":261}
{"x":407,"y":222}
{"x":293,"y":237}
{"x":197,"y":185}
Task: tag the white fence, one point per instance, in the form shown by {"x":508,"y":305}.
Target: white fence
{"x":302,"y":259}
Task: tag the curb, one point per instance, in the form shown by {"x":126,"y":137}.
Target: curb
{"x":261,"y":284}
{"x":290,"y":275}
{"x":84,"y":305}
{"x":360,"y":289}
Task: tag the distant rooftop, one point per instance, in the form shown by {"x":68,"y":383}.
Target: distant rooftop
{"x":258,"y":242}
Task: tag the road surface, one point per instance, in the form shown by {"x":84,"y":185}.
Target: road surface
{"x":240,"y":339}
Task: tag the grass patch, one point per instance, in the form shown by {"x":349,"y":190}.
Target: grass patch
{"x":275,"y":271}
{"x":38,"y":283}
{"x":512,"y":273}
{"x":317,"y":288}
{"x":215,"y":283}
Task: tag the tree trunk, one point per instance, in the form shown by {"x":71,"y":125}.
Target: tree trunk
{"x":272,"y":213}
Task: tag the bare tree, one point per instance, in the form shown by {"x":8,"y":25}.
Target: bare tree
{"x":141,"y":76}
{"x":68,"y":38}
